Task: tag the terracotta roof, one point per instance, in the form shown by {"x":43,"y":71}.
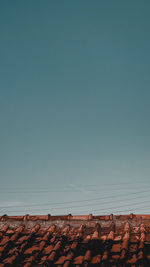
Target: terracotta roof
{"x":84,"y":240}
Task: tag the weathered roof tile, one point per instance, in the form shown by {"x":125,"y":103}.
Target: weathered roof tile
{"x":114,"y":240}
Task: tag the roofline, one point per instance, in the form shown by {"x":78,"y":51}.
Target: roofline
{"x":70,"y":217}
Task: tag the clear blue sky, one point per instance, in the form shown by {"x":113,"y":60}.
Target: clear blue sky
{"x":74,"y":98}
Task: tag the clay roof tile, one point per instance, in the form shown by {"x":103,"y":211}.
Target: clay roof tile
{"x":110,"y":235}
{"x":81,"y":241}
{"x":95,"y":235}
{"x":96,"y":259}
{"x":87,"y":256}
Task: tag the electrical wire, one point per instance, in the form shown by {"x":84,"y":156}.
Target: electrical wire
{"x":85,"y":205}
{"x":78,"y":185}
{"x":77,"y":201}
{"x":116,"y":207}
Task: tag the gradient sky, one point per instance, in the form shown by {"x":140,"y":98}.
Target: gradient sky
{"x":74,"y":100}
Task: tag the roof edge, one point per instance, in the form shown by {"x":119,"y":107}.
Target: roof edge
{"x":71,"y":217}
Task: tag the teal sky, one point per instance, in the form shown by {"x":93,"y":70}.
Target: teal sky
{"x":74,"y":100}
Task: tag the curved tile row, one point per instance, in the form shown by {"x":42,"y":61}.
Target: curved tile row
{"x":74,"y":246}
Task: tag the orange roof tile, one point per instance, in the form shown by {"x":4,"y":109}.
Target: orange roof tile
{"x":84,"y":240}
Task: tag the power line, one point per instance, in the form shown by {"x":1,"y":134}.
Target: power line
{"x":116,"y":207}
{"x":106,"y":197}
{"x":131,"y":210}
{"x":112,"y":211}
{"x":119,"y":211}
{"x":99,"y":210}
{"x":78,"y":201}
{"x":81,"y":185}
{"x":79,"y":206}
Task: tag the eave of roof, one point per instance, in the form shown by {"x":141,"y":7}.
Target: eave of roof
{"x":70,"y":217}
